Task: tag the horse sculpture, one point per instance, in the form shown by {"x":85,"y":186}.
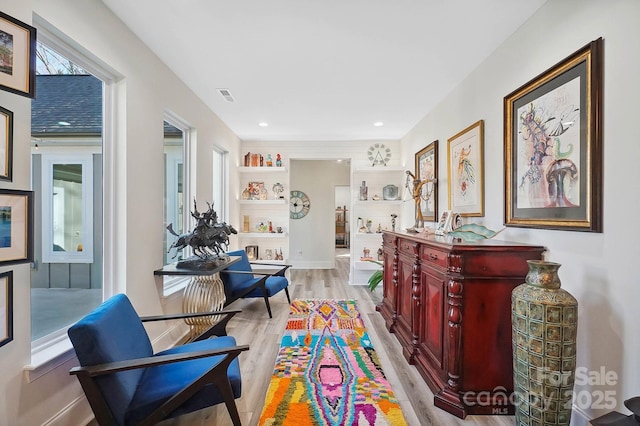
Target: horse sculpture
{"x":208,"y":239}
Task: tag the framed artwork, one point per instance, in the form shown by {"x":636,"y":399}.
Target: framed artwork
{"x":427,"y":171}
{"x":6,"y":307}
{"x":6,"y":144}
{"x":16,"y":226}
{"x":466,"y":171}
{"x":252,"y":252}
{"x":17,"y":56}
{"x":553,"y":146}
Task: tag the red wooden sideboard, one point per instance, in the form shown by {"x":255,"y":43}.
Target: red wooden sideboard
{"x":449,"y":304}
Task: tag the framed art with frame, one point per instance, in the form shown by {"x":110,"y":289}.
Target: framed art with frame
{"x":18,"y":51}
{"x":427,"y":171}
{"x":6,"y":307}
{"x":6,"y":144}
{"x":16,"y":226}
{"x":466,"y":171}
{"x":252,"y":252}
{"x":553,"y":146}
{"x":444,"y":224}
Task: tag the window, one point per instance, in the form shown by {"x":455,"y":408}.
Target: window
{"x":220,"y":185}
{"x":176,"y":207}
{"x":72,"y":157}
{"x":67,"y":207}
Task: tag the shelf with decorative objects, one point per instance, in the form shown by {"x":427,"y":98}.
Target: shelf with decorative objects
{"x":376,"y":206}
{"x":263,"y":234}
{"x":264,"y":216}
{"x":262,"y":169}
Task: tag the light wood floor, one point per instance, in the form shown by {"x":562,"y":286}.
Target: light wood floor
{"x":253,"y":327}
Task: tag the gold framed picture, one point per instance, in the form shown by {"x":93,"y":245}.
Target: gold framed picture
{"x":466,"y":170}
{"x":553,"y":146}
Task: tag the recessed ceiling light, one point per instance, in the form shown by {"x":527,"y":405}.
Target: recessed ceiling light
{"x":64,"y":123}
{"x":378,"y":123}
{"x":263,"y":124}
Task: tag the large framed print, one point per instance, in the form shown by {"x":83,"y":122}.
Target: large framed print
{"x":17,"y":56}
{"x":427,"y":171}
{"x":16,"y":226}
{"x":6,"y":307}
{"x":553,"y":146}
{"x":6,"y":144}
{"x":466,"y":171}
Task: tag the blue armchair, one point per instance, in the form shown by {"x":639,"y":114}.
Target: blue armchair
{"x":241,"y":281}
{"x":127,"y":384}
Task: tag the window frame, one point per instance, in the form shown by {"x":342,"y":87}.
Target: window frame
{"x":50,"y":351}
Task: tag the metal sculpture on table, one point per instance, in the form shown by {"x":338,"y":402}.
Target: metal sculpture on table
{"x":209,"y":240}
{"x":420,"y":193}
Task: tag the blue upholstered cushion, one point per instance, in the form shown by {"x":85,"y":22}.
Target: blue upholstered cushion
{"x":273,"y":285}
{"x":236,"y":284}
{"x":161,"y":382}
{"x":112,"y":332}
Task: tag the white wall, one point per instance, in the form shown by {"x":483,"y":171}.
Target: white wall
{"x":598,"y":269}
{"x":311,"y":239}
{"x":146,"y":89}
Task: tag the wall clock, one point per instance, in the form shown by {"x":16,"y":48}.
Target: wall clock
{"x":299,"y":205}
{"x":379,"y":154}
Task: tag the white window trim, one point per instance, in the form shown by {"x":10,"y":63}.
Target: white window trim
{"x":46,"y":355}
{"x":172,"y":285}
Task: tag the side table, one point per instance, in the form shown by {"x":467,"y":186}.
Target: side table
{"x":205,"y":292}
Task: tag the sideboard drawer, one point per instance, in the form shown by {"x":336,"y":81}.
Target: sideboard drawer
{"x":408,"y":247}
{"x":431,"y":255}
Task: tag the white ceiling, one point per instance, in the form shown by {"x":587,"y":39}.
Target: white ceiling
{"x":324,"y":69}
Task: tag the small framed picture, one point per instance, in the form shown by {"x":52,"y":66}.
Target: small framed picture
{"x":444,"y":224}
{"x":17,"y":56}
{"x":16,"y":226}
{"x":6,"y":307}
{"x":252,"y":252}
{"x":427,"y":171}
{"x":6,"y":144}
{"x":466,"y":171}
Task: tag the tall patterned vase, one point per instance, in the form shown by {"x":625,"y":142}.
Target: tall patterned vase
{"x":544,"y":326}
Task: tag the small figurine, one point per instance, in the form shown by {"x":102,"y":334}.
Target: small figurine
{"x":269,"y":160}
{"x":278,"y":160}
{"x":366,"y":253}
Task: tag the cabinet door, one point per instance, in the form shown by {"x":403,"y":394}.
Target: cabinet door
{"x":404,"y":301}
{"x":431,"y":321}
{"x":388,"y":288}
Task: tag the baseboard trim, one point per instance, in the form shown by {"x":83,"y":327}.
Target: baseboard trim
{"x":77,"y":412}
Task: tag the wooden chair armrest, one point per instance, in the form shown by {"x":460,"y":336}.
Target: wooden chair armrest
{"x":229,"y":312}
{"x":132,"y":364}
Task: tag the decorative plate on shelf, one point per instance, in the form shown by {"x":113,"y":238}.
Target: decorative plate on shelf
{"x":379,"y":154}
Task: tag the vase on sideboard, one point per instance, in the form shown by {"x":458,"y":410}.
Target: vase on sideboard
{"x":544,"y":329}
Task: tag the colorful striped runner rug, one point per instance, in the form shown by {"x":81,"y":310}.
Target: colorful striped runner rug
{"x":327,"y":372}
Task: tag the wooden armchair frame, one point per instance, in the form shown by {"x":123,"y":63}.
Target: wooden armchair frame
{"x":261,"y":283}
{"x":217,"y":375}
